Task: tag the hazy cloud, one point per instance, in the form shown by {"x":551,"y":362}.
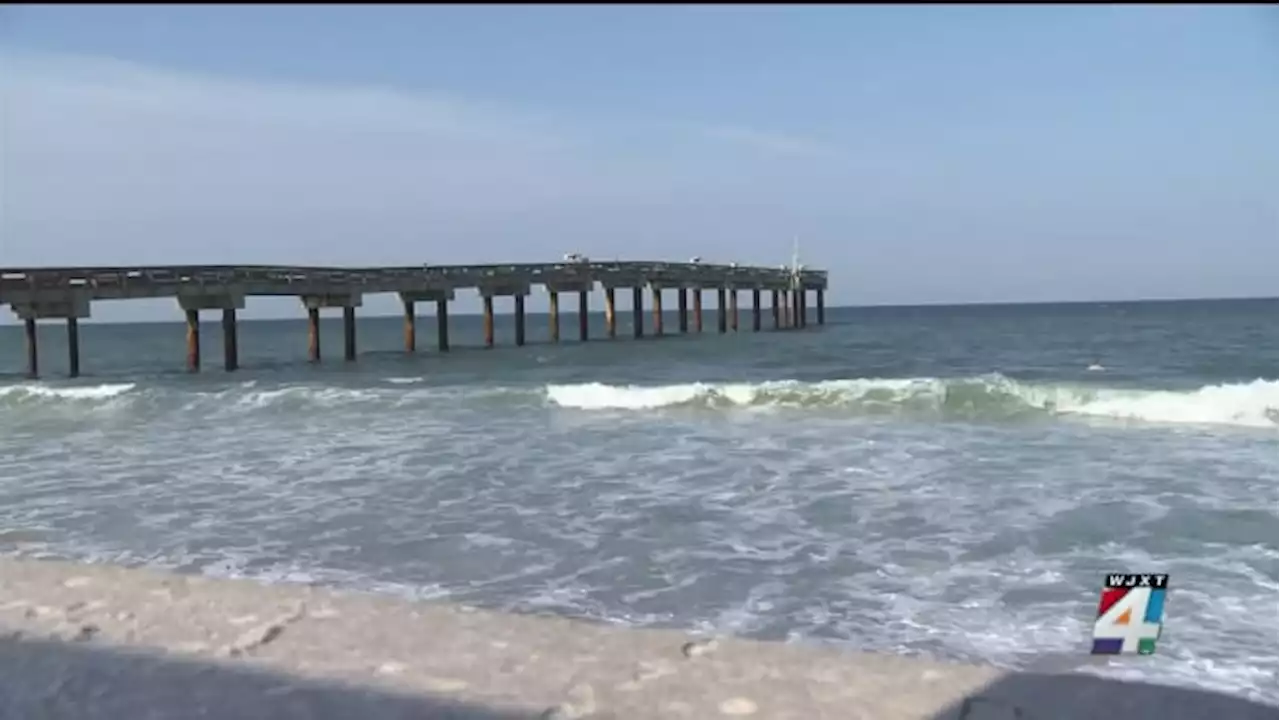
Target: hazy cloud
{"x":771,"y":142}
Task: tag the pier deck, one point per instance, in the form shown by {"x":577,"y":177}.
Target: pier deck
{"x":43,"y":293}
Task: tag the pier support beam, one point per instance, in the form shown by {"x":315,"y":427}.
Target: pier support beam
{"x":519,"y":305}
{"x":230,"y":342}
{"x":73,"y":347}
{"x":442,"y":324}
{"x":657,"y":312}
{"x":637,"y":312}
{"x":33,"y":348}
{"x":410,"y":327}
{"x":804,"y":307}
{"x":193,"y":340}
{"x":313,"y":334}
{"x":786,"y":308}
{"x":797,"y":312}
{"x":721,"y":311}
{"x":226,"y":299}
{"x":488,"y":321}
{"x":755,"y":310}
{"x":733,"y":309}
{"x":348,"y":301}
{"x":610,"y":314}
{"x":773,"y":305}
{"x":32,"y":305}
{"x":697,"y":310}
{"x":820,"y":307}
{"x":553,"y":309}
{"x":584,"y":315}
{"x":682,"y":308}
{"x":349,"y":334}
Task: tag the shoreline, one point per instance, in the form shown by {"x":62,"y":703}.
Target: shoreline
{"x":101,"y":641}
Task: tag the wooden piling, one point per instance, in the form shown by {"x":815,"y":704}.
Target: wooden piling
{"x":73,"y":347}
{"x":33,"y":349}
{"x":553,"y":299}
{"x":193,"y":340}
{"x":733,"y":309}
{"x":697,"y":310}
{"x":755,"y":310}
{"x":786,"y":310}
{"x":410,"y":327}
{"x":657,"y":312}
{"x":721,"y":312}
{"x":610,"y":314}
{"x":682,"y":309}
{"x":488,"y":321}
{"x":519,"y":303}
{"x":584,"y":315}
{"x":349,"y":334}
{"x":637,"y":312}
{"x":777,"y":311}
{"x":230,"y":343}
{"x":818,"y":303}
{"x":313,"y":334}
{"x":442,"y":325}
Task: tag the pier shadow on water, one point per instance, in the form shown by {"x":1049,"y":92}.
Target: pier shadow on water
{"x":75,"y":681}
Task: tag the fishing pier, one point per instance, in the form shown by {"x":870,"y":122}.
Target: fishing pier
{"x":52,"y":293}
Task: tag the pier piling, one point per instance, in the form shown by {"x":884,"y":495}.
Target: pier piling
{"x":230,"y":343}
{"x":637,"y":312}
{"x":733,"y":309}
{"x":584,"y":315}
{"x":410,"y":327}
{"x":818,"y":305}
{"x":657,"y":311}
{"x":488,"y":321}
{"x":755,"y":310}
{"x":721,"y":312}
{"x":697,"y":310}
{"x":519,"y":307}
{"x":33,"y":349}
{"x":553,"y":309}
{"x":442,"y":324}
{"x":349,"y":333}
{"x":610,"y":314}
{"x":313,"y":334}
{"x":775,"y":310}
{"x":73,"y":347}
{"x":682,"y":309}
{"x":193,"y":340}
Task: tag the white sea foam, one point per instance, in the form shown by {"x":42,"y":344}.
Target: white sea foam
{"x":1248,"y":404}
{"x":21,"y":393}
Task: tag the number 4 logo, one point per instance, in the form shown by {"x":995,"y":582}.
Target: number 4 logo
{"x":1129,"y":621}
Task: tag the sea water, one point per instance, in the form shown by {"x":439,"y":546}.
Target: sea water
{"x":946,"y":481}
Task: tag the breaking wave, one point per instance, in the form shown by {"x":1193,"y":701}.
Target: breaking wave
{"x":991,"y":397}
{"x":1251,"y":404}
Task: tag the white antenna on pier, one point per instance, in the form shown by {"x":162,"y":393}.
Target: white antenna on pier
{"x":795,"y":261}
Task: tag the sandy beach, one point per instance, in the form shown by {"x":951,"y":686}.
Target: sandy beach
{"x":98,"y":641}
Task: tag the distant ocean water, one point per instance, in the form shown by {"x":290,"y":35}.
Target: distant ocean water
{"x":952,"y":481}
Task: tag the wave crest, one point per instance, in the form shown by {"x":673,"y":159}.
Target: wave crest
{"x":1251,"y":404}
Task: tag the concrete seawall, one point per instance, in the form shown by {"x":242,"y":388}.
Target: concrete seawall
{"x":96,"y":641}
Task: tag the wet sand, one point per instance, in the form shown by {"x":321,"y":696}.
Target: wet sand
{"x":96,"y":641}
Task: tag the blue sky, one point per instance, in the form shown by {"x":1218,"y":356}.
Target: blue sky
{"x":921,"y":153}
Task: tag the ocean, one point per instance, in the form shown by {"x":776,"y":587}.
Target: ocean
{"x":943,"y":481}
